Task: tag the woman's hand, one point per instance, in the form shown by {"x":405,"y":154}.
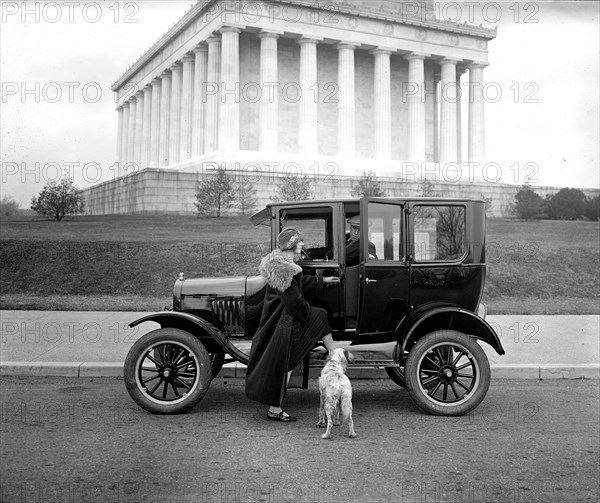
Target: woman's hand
{"x":330,"y":280}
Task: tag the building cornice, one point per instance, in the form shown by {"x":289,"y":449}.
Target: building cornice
{"x":171,"y":33}
{"x":347,"y":9}
{"x":408,"y":19}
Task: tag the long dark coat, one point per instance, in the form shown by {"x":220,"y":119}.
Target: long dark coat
{"x":284,"y":313}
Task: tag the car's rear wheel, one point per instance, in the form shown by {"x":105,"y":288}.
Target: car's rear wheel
{"x":447,"y":373}
{"x":167,"y":371}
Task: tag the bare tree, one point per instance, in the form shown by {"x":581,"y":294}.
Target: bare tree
{"x":426,"y":188}
{"x":8,"y":206}
{"x":246,"y":196}
{"x":450,"y":231}
{"x":367,"y":186}
{"x":214,"y":194}
{"x":487,"y":200}
{"x":296,"y":188}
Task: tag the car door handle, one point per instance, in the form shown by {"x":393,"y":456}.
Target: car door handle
{"x":367,"y":280}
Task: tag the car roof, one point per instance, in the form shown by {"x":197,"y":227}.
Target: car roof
{"x":265,"y":213}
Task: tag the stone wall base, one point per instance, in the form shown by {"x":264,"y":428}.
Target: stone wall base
{"x":172,"y":190}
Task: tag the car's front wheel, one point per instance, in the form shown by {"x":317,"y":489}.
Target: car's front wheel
{"x":447,"y":373}
{"x":217,"y":361}
{"x":167,"y":371}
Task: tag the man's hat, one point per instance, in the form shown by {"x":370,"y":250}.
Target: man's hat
{"x":288,"y":238}
{"x":355,"y":220}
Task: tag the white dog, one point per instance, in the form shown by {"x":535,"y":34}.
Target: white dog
{"x":336,"y":393}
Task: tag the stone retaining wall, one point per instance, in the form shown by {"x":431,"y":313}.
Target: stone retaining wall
{"x":168,"y":191}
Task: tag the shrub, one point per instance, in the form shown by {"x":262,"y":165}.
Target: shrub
{"x":58,"y":199}
{"x":592,"y":208}
{"x":567,"y":204}
{"x":528,"y":204}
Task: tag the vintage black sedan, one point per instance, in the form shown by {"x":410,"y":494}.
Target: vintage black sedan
{"x":416,"y":289}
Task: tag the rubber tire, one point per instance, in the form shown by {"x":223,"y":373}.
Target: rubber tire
{"x":420,"y":396}
{"x":216,"y":363}
{"x":397,"y":375}
{"x":140,"y":348}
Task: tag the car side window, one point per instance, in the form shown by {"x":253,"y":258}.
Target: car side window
{"x":314,"y":231}
{"x":315,"y":224}
{"x":385,"y":231}
{"x":439,"y":233}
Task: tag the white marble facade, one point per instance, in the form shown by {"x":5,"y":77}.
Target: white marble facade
{"x":292,"y":76}
{"x":360,"y":85}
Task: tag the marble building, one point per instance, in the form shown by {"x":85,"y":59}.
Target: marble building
{"x":280,"y":88}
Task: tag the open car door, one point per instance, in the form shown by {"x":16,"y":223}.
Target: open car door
{"x":384,"y":278}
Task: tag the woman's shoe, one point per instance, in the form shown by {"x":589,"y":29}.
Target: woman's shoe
{"x":281,"y":417}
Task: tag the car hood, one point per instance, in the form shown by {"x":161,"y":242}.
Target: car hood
{"x":213,"y":287}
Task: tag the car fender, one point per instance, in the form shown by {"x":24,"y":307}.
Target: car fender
{"x":450,"y":318}
{"x":197,"y":326}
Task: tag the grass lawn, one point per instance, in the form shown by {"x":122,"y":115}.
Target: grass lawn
{"x":131,"y":262}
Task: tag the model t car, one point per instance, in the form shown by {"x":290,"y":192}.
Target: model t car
{"x":418,"y":295}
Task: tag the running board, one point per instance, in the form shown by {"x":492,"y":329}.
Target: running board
{"x":359,"y":364}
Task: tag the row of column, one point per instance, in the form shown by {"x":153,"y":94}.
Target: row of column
{"x":193,"y":107}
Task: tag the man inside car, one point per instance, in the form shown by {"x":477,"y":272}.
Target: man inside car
{"x":352,"y":245}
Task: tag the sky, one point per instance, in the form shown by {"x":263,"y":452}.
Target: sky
{"x":59,"y":59}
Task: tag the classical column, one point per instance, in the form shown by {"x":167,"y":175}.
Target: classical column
{"x":187,"y":101}
{"x":415,"y":92}
{"x":476,"y":123}
{"x":383,"y":104}
{"x":346,"y":100}
{"x":146,"y":126}
{"x":436,"y":117}
{"x":229,"y":113}
{"x":119,"y":138}
{"x":448,"y":97}
{"x":139,"y":122}
{"x":269,"y":103}
{"x":131,"y":130}
{"x":200,"y":70}
{"x":124,"y":138}
{"x":153,"y":161}
{"x":459,"y":157}
{"x":175,"y":118}
{"x":308,"y":126}
{"x":211,"y":92}
{"x":165,"y":116}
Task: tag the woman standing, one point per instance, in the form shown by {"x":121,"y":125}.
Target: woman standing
{"x":289,"y":326}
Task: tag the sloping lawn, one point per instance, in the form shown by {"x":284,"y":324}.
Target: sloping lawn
{"x":131,"y":262}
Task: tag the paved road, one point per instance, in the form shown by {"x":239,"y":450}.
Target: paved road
{"x":536,"y":346}
{"x":81,"y":439}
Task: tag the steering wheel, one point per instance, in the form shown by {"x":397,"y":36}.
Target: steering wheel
{"x":304,"y":254}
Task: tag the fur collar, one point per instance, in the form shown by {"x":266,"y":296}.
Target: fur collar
{"x":277,"y":270}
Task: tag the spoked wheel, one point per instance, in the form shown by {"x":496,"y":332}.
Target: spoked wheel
{"x":447,"y":373}
{"x":167,"y":371}
{"x":397,"y":375}
{"x":217,"y":360}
